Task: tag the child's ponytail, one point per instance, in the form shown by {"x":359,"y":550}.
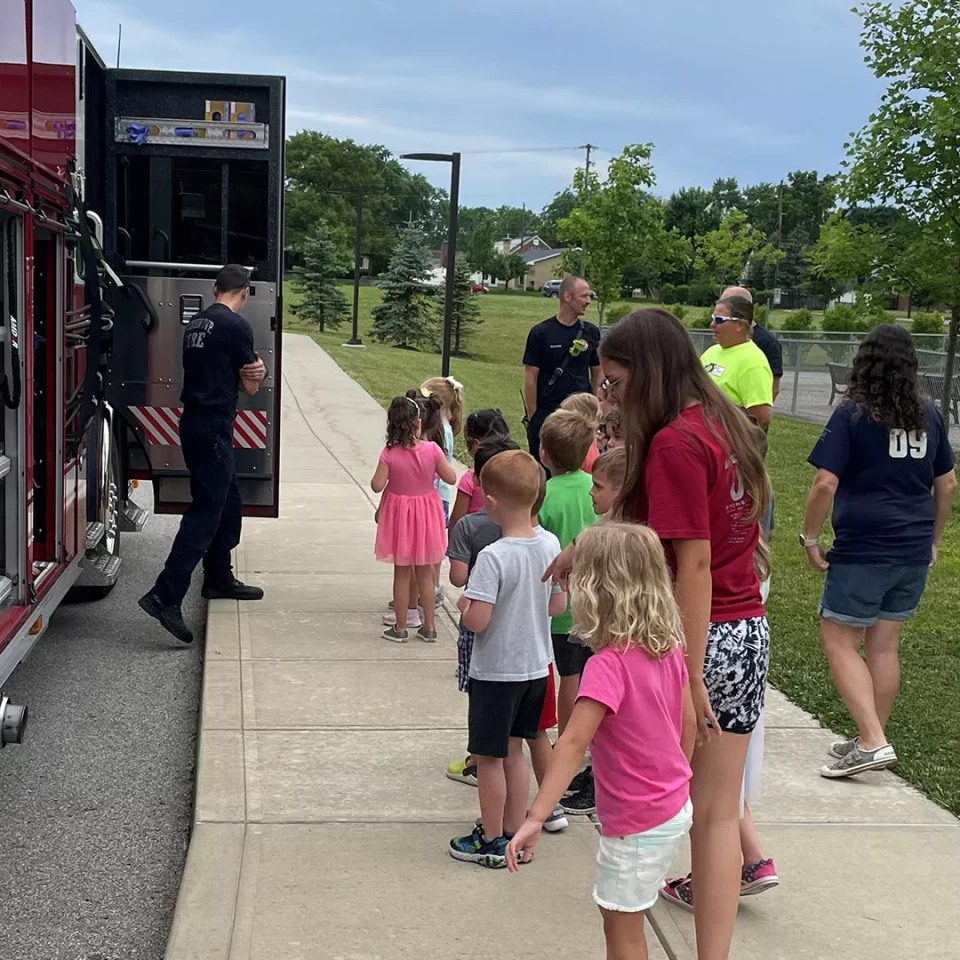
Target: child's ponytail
{"x":450,"y":392}
{"x":485,"y":424}
{"x":431,"y":422}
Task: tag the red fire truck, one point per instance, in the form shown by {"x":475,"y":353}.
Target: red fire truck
{"x":122,"y":192}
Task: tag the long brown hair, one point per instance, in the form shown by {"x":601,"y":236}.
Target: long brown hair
{"x":883,"y":381}
{"x":666,"y":375}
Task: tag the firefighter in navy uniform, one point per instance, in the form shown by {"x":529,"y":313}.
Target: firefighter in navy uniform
{"x":218,"y":362}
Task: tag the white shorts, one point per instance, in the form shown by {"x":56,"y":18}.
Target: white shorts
{"x":631,"y":870}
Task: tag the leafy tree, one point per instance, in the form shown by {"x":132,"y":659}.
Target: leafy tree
{"x":690,"y":211}
{"x":559,"y":208}
{"x":478,"y":247}
{"x":466,"y":310}
{"x":516,"y":222}
{"x":725,"y":196}
{"x":907,"y":154}
{"x":324,"y":175}
{"x":404,"y":317}
{"x":617,"y":223}
{"x":725,"y":254}
{"x":507,"y":267}
{"x":322,"y":302}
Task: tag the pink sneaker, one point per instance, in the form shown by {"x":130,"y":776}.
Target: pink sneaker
{"x":678,"y":891}
{"x":758,"y":877}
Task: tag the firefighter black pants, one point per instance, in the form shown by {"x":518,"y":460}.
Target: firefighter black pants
{"x":210,"y":528}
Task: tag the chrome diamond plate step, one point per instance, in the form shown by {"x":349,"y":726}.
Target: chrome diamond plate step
{"x":100,"y":571}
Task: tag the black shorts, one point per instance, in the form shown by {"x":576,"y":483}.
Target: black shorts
{"x":499,"y":711}
{"x":569,"y":654}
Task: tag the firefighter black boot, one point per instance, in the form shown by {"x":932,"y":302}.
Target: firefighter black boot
{"x":231,"y":590}
{"x":169,"y":617}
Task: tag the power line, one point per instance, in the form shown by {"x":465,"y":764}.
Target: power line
{"x":520,"y":150}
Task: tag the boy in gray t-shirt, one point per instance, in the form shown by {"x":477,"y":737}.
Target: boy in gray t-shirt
{"x":508,"y":607}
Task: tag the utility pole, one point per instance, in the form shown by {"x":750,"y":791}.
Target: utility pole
{"x":355,"y":340}
{"x":589,"y":147}
{"x":523,"y":217}
{"x":776,"y":266}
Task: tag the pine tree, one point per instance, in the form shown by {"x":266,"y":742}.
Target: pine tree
{"x":466,"y":310}
{"x":404,"y":316}
{"x":322,"y":302}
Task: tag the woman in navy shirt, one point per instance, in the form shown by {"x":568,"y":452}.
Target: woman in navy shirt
{"x":882,"y":453}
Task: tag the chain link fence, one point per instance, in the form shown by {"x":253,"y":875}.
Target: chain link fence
{"x":816,"y":367}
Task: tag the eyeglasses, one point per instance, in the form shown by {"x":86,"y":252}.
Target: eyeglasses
{"x":717,"y":319}
{"x":606,"y":384}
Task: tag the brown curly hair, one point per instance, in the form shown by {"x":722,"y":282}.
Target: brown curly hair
{"x":403,"y":417}
{"x":883,"y":381}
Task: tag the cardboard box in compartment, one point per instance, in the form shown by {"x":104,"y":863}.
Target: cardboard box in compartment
{"x":218,"y":111}
{"x":243,"y":111}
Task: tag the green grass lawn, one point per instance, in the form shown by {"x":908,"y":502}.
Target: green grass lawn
{"x":925,"y":727}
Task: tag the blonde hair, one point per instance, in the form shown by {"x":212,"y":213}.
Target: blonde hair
{"x":566,"y":436}
{"x":587,"y":405}
{"x":621,"y":590}
{"x":450,"y":393}
{"x":513,"y":478}
{"x":613,"y":465}
{"x":763,"y":560}
{"x":612,"y":422}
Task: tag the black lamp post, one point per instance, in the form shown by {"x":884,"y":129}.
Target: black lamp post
{"x":454,"y":160}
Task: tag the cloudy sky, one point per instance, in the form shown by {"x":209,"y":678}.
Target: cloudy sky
{"x":744,"y":88}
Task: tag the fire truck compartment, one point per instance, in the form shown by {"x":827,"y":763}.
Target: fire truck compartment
{"x":186,"y":194}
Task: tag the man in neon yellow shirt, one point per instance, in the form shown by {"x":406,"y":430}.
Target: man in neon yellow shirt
{"x":738,"y":366}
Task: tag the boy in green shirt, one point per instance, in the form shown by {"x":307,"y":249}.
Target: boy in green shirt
{"x":567,"y":510}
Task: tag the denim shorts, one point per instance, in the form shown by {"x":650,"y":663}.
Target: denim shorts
{"x":860,"y":594}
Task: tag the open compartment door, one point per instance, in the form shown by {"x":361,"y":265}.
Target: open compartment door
{"x":180,"y":207}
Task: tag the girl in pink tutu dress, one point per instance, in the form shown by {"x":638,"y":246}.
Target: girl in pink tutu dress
{"x":411,"y":532}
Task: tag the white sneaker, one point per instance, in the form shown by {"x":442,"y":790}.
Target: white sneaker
{"x":414,"y":620}
{"x":556,"y":822}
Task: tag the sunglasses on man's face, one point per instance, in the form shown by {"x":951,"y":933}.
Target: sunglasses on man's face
{"x":717,"y":319}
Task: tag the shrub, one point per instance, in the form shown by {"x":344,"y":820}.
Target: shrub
{"x":678,"y":310}
{"x":762,"y":296}
{"x":702,"y":293}
{"x":760,"y":313}
{"x":704,"y":320}
{"x":616,"y":312}
{"x":668,"y":293}
{"x":681,"y":294}
{"x":843,"y":318}
{"x":928,"y":323}
{"x":929,"y":330}
{"x":801,"y":319}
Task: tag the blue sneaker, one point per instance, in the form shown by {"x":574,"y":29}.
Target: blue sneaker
{"x":474,"y":849}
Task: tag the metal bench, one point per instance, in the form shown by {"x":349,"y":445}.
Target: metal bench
{"x":839,"y":379}
{"x":931,"y":386}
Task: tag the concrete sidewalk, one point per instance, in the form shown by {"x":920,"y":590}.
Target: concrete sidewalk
{"x":322,"y":812}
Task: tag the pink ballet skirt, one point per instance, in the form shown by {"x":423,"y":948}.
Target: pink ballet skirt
{"x":411,"y":530}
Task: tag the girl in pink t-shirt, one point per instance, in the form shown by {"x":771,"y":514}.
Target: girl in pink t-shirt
{"x":410,"y":529}
{"x":481,"y":425}
{"x":635,"y":713}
